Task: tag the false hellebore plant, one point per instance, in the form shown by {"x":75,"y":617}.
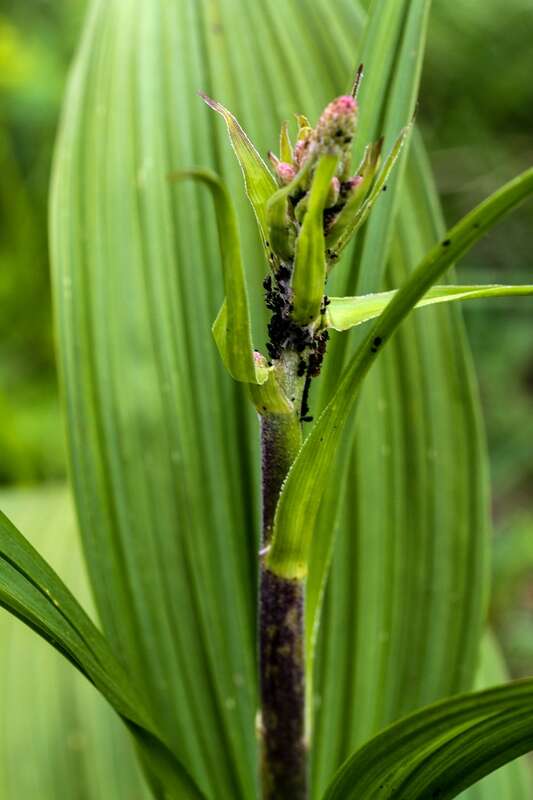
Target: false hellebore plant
{"x":307,"y":213}
{"x":308,"y":208}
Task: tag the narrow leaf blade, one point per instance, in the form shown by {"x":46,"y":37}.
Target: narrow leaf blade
{"x":344,"y":313}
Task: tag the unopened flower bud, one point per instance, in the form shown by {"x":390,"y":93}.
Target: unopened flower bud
{"x":285,"y":172}
{"x":301,"y":149}
{"x":335,"y":130}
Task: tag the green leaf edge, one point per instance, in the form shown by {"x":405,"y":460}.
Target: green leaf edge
{"x":344,"y":313}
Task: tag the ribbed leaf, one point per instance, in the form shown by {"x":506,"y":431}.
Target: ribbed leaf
{"x":344,"y":313}
{"x":441,"y":749}
{"x":74,"y":745}
{"x":32,"y":591}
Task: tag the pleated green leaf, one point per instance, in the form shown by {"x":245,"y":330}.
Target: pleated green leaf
{"x":231,"y":329}
{"x":32,"y":591}
{"x":309,"y":273}
{"x":344,"y":313}
{"x":442,"y":749}
{"x":73,"y":743}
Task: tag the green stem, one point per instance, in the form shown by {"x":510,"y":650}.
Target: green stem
{"x":281,"y":622}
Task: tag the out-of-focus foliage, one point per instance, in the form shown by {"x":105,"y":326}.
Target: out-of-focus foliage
{"x":36,"y":41}
{"x":476,"y":110}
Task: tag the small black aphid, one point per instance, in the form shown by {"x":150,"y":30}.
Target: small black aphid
{"x":446,"y":242}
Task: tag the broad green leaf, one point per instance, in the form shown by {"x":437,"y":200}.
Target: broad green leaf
{"x":442,"y":749}
{"x":73,"y":743}
{"x":346,"y":312}
{"x":258,"y":180}
{"x":231,"y":329}
{"x":300,"y":498}
{"x":31,"y":590}
{"x":309,"y":273}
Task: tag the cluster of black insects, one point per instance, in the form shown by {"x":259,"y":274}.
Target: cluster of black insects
{"x":284,"y":334}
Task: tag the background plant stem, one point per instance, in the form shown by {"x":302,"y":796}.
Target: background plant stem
{"x":281,"y":620}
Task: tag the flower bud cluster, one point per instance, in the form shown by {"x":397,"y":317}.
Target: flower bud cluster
{"x":332,"y":135}
{"x":335,"y":131}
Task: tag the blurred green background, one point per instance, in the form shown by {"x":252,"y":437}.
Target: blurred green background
{"x":476,"y":112}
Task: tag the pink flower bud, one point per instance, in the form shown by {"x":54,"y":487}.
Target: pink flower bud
{"x":301,"y":150}
{"x":336,"y":127}
{"x":285,"y":172}
{"x":334,"y":132}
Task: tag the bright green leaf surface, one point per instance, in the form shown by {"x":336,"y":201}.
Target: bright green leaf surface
{"x":442,"y":749}
{"x":346,"y":312}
